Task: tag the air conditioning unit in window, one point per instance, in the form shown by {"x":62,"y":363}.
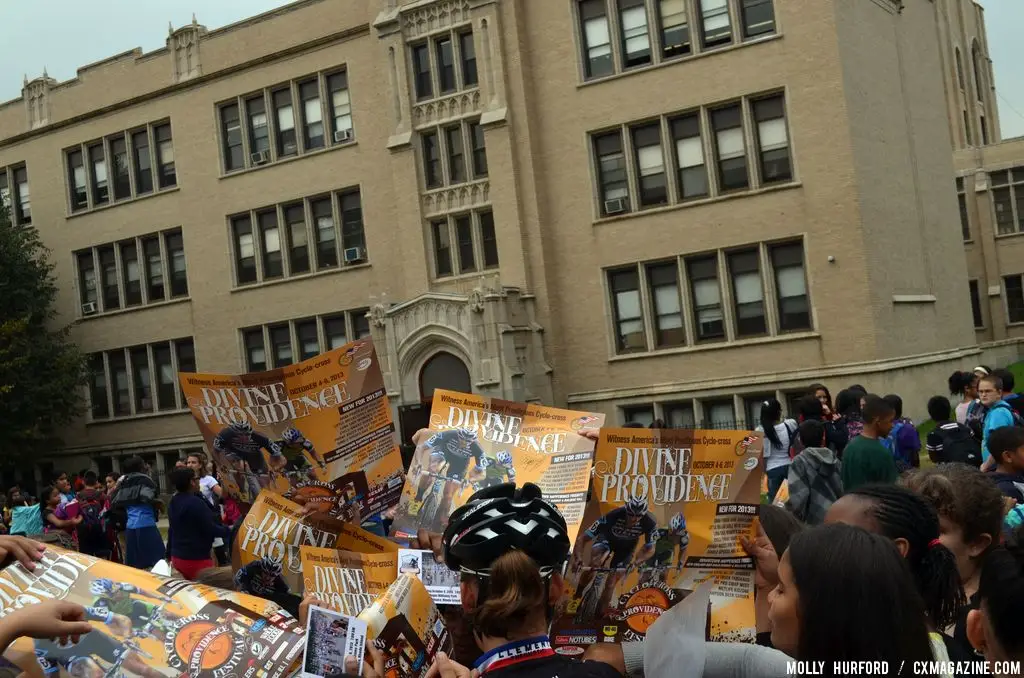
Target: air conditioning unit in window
{"x":616,"y":206}
{"x":89,"y":308}
{"x":355,"y":255}
{"x":260,"y":158}
{"x":342,"y":135}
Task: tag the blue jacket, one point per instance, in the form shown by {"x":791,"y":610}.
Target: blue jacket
{"x":193,"y":527}
{"x":999,"y":415}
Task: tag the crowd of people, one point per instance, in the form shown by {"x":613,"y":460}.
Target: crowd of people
{"x":873,"y":556}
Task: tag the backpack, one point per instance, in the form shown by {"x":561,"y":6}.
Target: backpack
{"x":27,"y":520}
{"x":91,"y":510}
{"x":890,"y":442}
{"x":959,"y":446}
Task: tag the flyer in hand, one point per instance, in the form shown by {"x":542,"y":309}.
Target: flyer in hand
{"x":148,"y":626}
{"x":476,"y":442}
{"x":442,"y":583}
{"x":319,"y":431}
{"x":407,"y":628}
{"x":346,"y":582}
{"x":330,"y":637}
{"x":667,"y":511}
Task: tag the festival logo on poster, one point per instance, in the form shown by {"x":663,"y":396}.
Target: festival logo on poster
{"x":319,"y":431}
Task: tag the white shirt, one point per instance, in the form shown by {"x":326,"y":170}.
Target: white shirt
{"x":778,"y":455}
{"x":206,"y":485}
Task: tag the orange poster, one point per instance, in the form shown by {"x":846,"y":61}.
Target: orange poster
{"x":667,"y":511}
{"x":476,"y":442}
{"x":346,"y":582}
{"x":318,"y":431}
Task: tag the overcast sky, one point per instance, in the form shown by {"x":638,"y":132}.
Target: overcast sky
{"x":31,"y":37}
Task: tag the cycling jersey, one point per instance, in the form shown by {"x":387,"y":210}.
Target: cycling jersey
{"x":246,"y":446}
{"x":495,"y":474}
{"x":52,"y":655}
{"x":665,"y":547}
{"x":614,"y":532}
{"x":293,"y":453}
{"x":534,"y":658}
{"x":456,"y":452}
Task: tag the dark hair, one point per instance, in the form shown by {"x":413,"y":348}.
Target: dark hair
{"x":939,"y":408}
{"x":134,"y":464}
{"x":810,"y":407}
{"x":771,"y":412}
{"x":857,"y":388}
{"x":90,"y":477}
{"x":876,"y":408}
{"x":658,"y":423}
{"x":848,"y":403}
{"x":813,"y":391}
{"x":902,"y":514}
{"x":515,"y":591}
{"x":896,"y":402}
{"x":46,"y":493}
{"x":1005,"y":439}
{"x":779,"y":525}
{"x":959,"y":382}
{"x":993,"y":379}
{"x":113,"y":475}
{"x":181,"y":479}
{"x":57,"y":475}
{"x":812,"y":433}
{"x":1005,"y":376}
{"x":963,"y":495}
{"x":1001,"y":592}
{"x":857,"y":598}
{"x":633,"y":424}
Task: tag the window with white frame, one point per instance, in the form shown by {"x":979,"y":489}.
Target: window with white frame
{"x":281,"y":344}
{"x":464,"y":243}
{"x":444,"y":63}
{"x":636,"y":39}
{"x":650,"y":165}
{"x":747,"y":293}
{"x":1008,"y":200}
{"x":112,"y":276}
{"x":120,"y":166}
{"x":139,"y":380}
{"x":14,"y":194}
{"x":306,"y":115}
{"x":298,"y":237}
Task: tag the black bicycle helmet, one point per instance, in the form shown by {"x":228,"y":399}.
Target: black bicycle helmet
{"x":500,"y":519}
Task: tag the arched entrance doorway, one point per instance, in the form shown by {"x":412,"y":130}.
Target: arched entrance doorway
{"x":443,"y":370}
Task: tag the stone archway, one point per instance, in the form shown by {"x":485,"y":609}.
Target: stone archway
{"x":446,"y":371}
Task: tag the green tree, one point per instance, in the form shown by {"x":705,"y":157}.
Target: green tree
{"x":41,"y":370}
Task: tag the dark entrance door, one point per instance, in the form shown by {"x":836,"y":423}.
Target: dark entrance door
{"x":443,"y":370}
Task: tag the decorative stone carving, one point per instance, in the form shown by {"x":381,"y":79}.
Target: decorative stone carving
{"x":36,"y":94}
{"x":476,"y":300}
{"x":434,"y":17}
{"x":453,"y":198}
{"x":452,"y":107}
{"x":378,"y":314}
{"x":183,"y":44}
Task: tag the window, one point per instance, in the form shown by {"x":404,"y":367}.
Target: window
{"x":639,"y":414}
{"x":132,"y":273}
{"x":255,"y":351}
{"x":360,"y":324}
{"x":120,"y":171}
{"x":611,"y":173}
{"x":442,"y":248}
{"x":758,"y":17}
{"x":732,"y":156}
{"x":165,"y":155}
{"x":984,"y":130}
{"x":692,"y":175}
{"x":76,"y":176}
{"x":352,"y":225}
{"x":341,"y":104}
{"x":650,"y":165}
{"x":965,"y":220}
{"x":445,"y":66}
{"x":309,"y":340}
{"x":719,"y":415}
{"x":287,"y":144}
{"x":119,"y":378}
{"x":166,"y":379}
{"x":791,"y":287}
{"x":959,"y":69}
{"x":5,"y":192}
{"x":143,"y":163}
{"x":476,"y":136}
{"x":175,"y":248}
{"x":108,"y":278}
{"x":281,"y":345}
{"x":141,"y":379}
{"x":464,"y":238}
{"x":231,"y":133}
{"x":679,"y":415}
{"x":976,"y":58}
{"x":98,"y":168}
{"x":326,"y":240}
{"x":298,"y":241}
{"x":675,"y":28}
{"x":467,"y":54}
{"x":636,"y":42}
{"x":773,"y":140}
{"x":259,"y":129}
{"x":597,"y":43}
{"x":979,"y":322}
{"x":334,"y":332}
{"x":186,"y":353}
{"x":129,"y":374}
{"x":154,"y":269}
{"x":421,"y":72}
{"x":666,"y":305}
{"x":86,"y":277}
{"x":967,"y":129}
{"x":456,"y":156}
{"x":707,"y":298}
{"x":270,"y":245}
{"x":22,"y":200}
{"x":431,"y":160}
{"x":245,"y":250}
{"x":98,"y":387}
{"x":1008,"y":200}
{"x":748,"y":293}
{"x":1014,"y":298}
{"x":628,"y":311}
{"x":489,"y":240}
{"x":717,"y":29}
{"x":312,"y":115}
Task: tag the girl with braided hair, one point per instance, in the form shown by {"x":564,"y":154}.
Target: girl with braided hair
{"x":912,"y":523}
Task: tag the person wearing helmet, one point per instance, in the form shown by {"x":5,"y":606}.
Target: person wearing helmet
{"x":243,"y":446}
{"x":510,"y":547}
{"x":127,"y":611}
{"x":495,"y":471}
{"x":293,"y":461}
{"x":457,"y":446}
{"x":670,"y":547}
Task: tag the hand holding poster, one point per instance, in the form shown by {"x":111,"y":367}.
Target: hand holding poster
{"x":346,"y":582}
{"x":146,"y":625}
{"x":407,"y":628}
{"x":478,"y":442}
{"x":667,"y":512}
{"x":319,"y":431}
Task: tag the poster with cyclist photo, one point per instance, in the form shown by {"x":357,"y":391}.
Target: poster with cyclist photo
{"x":407,"y":628}
{"x":330,"y":637}
{"x":320,"y":431}
{"x":442,"y":583}
{"x":346,"y":582}
{"x":147,"y":626}
{"x":666,"y":514}
{"x":476,"y":442}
